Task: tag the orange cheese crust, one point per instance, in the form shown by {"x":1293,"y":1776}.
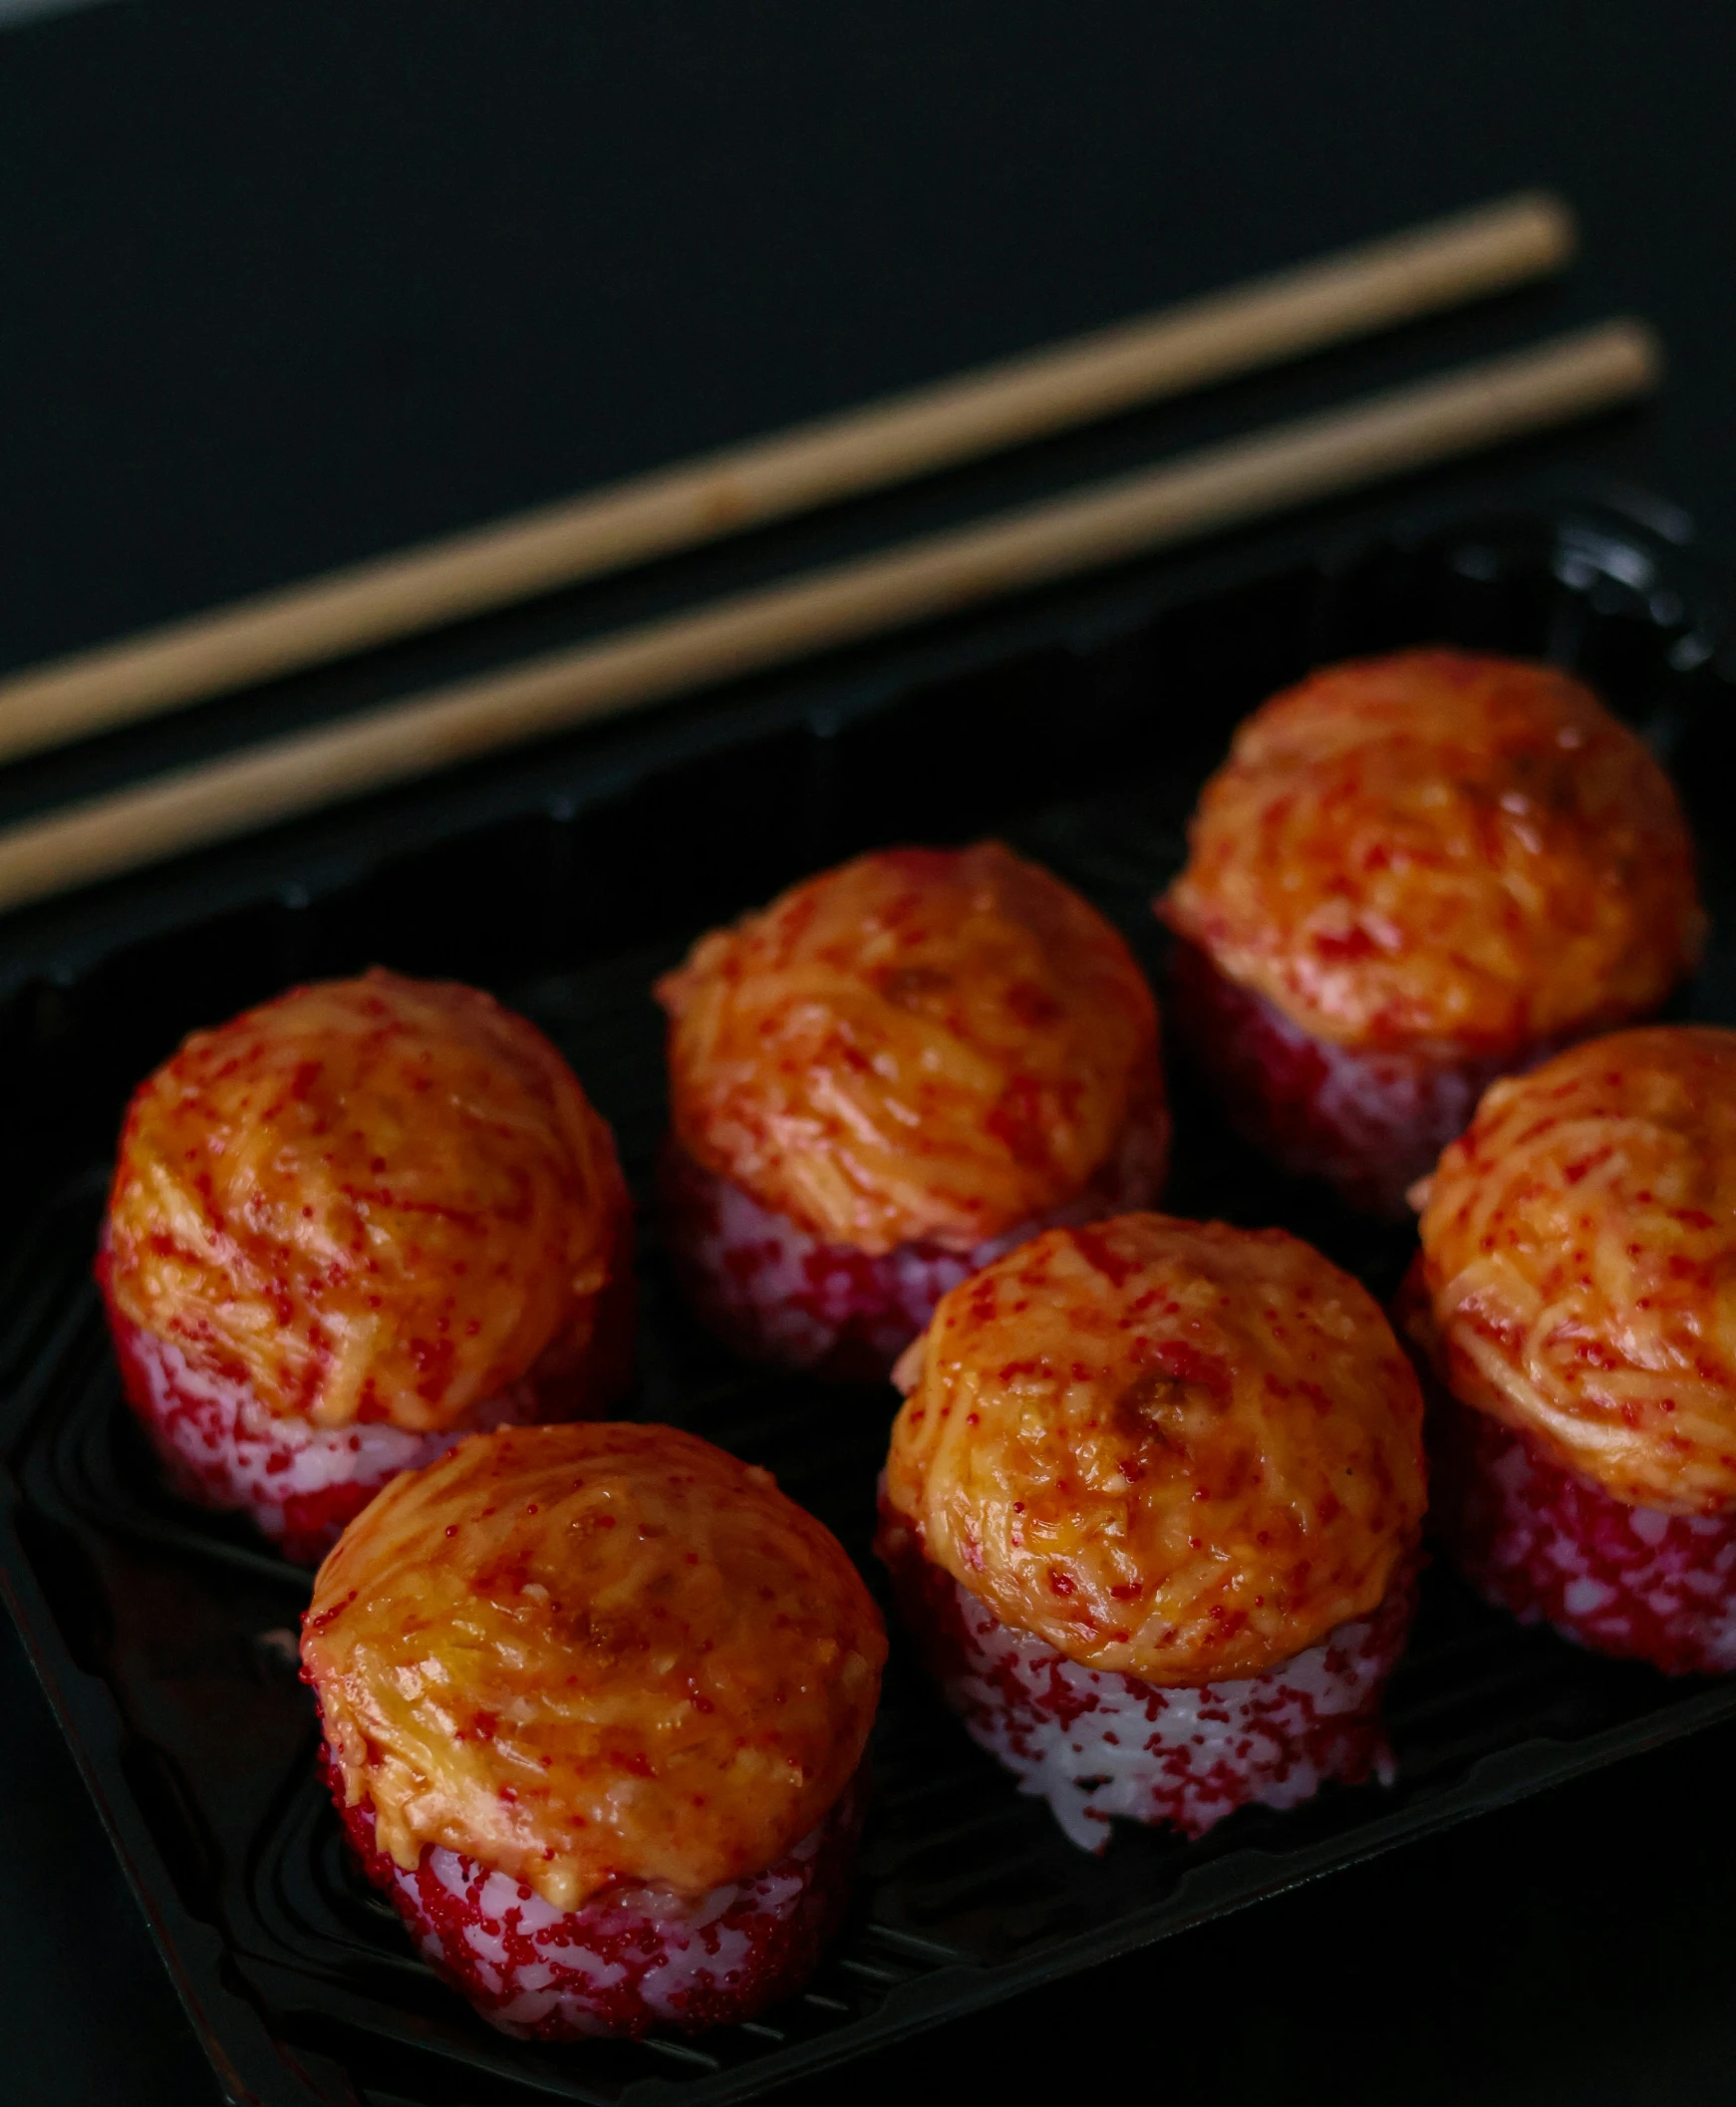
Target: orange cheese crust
{"x":1578,"y":1274}
{"x":1174,"y":1449}
{"x":587,"y":1654}
{"x":1442,"y":851}
{"x":923,"y":1044}
{"x":378,"y":1200}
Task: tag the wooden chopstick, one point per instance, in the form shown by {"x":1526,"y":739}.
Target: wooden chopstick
{"x":1351,"y":293}
{"x":1244,"y":479}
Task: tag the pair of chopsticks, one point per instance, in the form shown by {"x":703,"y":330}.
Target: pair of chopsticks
{"x":1338,"y":298}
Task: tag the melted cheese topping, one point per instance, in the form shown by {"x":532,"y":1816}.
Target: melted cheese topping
{"x":588,"y":1653}
{"x":1438,"y":848}
{"x":1577,"y":1277}
{"x":1174,"y":1449}
{"x":924,"y":1045}
{"x":380,"y":1199}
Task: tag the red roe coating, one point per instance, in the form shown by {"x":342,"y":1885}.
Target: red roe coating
{"x":777,"y":1293}
{"x":1095,"y":1744}
{"x":372,"y":1201}
{"x":1369,"y":1123}
{"x":631,"y":1957}
{"x":1176,"y":1450}
{"x":593,"y":1656}
{"x":1412,"y":875}
{"x":1578,"y":1273}
{"x":300,"y":1485}
{"x":1551,"y":1545}
{"x":923,"y":1046}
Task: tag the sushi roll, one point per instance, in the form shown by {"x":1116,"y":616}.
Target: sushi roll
{"x":1572,"y":1302}
{"x":595,"y":1700}
{"x":349,"y":1226}
{"x":1412,"y":875}
{"x":895,"y":1073}
{"x":1151,"y":1512}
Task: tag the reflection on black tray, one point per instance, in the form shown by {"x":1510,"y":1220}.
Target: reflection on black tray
{"x":166,"y":1638}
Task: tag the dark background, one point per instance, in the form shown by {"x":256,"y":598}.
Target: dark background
{"x":288,"y":282}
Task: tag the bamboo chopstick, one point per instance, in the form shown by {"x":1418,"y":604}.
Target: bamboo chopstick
{"x":1351,"y":293}
{"x":1244,"y":479}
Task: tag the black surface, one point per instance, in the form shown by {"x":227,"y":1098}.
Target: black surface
{"x":289,"y":282}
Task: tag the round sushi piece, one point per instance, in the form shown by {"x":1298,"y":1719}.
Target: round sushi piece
{"x":595,"y":1700}
{"x":1574,"y":1301}
{"x":1152,"y":1510}
{"x":894,"y":1074}
{"x":349,"y":1226}
{"x":1412,"y":875}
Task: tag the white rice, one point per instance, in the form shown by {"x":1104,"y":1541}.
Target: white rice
{"x":798,"y":1294}
{"x":1679,"y":1568}
{"x":224,"y":1448}
{"x":577,"y":1950}
{"x":1097,"y":1745}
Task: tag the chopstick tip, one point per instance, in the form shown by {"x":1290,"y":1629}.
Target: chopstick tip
{"x":1643,"y":349}
{"x":1553,"y":224}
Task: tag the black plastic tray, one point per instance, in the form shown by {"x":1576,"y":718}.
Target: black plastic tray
{"x":1080,"y":728}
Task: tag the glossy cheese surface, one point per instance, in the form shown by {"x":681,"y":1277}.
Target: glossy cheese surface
{"x":378,"y":1200}
{"x":1174,"y":1449}
{"x":1442,"y":849}
{"x":924,"y":1045}
{"x":589,"y":1654}
{"x":1577,"y":1276}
